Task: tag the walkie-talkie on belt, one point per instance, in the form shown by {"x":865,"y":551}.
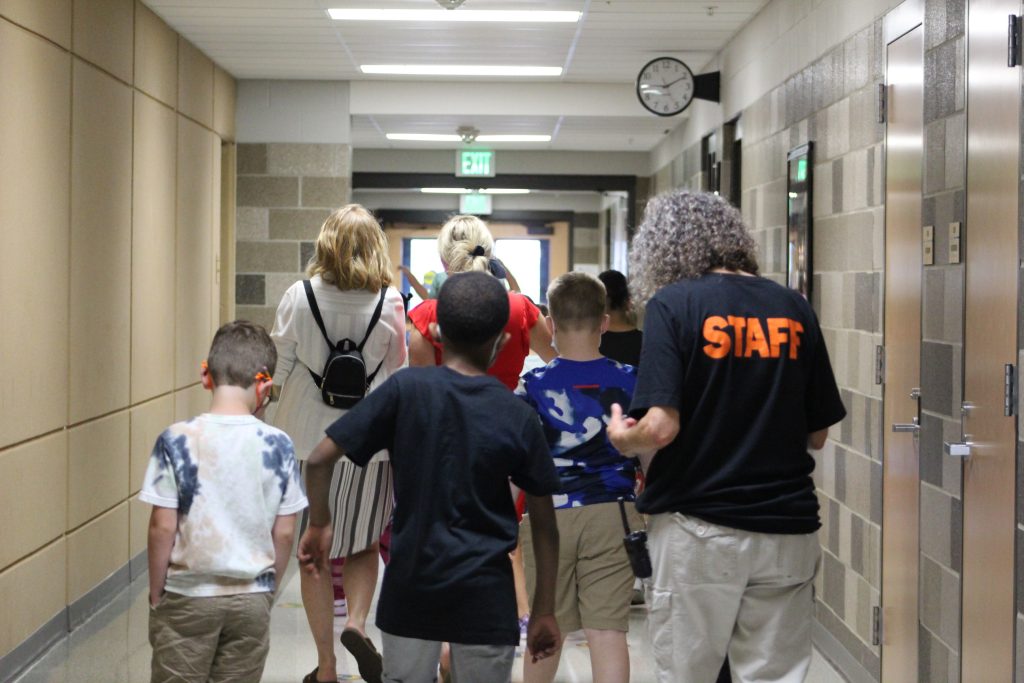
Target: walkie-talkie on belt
{"x":636,"y":547}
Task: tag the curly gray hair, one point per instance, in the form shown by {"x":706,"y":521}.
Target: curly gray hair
{"x":685,"y":235}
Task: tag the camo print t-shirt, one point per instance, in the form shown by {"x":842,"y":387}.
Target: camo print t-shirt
{"x":229,"y":477}
{"x":574,"y":401}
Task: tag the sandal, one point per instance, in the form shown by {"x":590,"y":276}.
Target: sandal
{"x":311,"y":677}
{"x":369,"y":661}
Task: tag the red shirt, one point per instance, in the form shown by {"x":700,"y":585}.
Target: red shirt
{"x":509,"y":363}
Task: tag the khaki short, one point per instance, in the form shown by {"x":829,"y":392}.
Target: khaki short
{"x":595,"y":581}
{"x":215,"y":639}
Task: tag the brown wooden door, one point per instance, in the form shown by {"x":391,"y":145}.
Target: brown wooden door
{"x":901,"y":476}
{"x":990,"y":344}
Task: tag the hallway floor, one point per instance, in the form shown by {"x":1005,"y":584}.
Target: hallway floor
{"x":112,"y":647}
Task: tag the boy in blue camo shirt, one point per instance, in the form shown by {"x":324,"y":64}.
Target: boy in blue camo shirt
{"x":573,"y":396}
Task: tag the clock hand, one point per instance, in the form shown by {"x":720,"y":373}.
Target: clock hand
{"x":669,"y":85}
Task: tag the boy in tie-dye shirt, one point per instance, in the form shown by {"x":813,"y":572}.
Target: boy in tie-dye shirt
{"x":225,"y":491}
{"x":573,"y":396}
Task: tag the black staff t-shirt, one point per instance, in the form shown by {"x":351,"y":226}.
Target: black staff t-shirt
{"x":623,"y":346}
{"x":743,"y":361}
{"x":454,"y":443}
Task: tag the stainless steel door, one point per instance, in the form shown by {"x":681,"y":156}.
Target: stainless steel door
{"x":901,"y":475}
{"x":990,"y":342}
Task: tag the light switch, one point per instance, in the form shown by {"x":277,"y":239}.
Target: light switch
{"x":928,"y":245}
{"x":954,"y":242}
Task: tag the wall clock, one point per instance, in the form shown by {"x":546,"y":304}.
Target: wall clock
{"x":665,"y":86}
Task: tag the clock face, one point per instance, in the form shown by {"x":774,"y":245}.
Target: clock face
{"x":665,"y":86}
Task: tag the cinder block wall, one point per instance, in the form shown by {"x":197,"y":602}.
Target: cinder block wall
{"x":832,"y":103}
{"x":109,"y":240}
{"x":285,"y":191}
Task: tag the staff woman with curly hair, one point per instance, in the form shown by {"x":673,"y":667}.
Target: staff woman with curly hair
{"x":735,"y":385}
{"x":350,"y":277}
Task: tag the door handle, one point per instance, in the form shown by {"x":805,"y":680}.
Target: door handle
{"x":957,"y":450}
{"x":907,"y":427}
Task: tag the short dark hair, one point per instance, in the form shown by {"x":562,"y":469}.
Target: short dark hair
{"x":617,"y":288}
{"x":472,"y":309}
{"x":577,"y":301}
{"x":239,"y":351}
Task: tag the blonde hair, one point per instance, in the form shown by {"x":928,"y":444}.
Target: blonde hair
{"x":459,"y":244}
{"x":352,"y":251}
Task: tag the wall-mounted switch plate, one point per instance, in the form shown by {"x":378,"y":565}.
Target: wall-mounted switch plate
{"x":954,"y":242}
{"x":928,"y":245}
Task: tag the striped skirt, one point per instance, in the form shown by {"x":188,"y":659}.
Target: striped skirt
{"x":361,"y":500}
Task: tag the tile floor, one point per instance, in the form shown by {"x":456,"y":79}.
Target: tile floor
{"x":112,"y":647}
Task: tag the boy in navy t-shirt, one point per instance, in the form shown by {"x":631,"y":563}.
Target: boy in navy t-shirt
{"x":573,"y":395}
{"x":456,"y":437}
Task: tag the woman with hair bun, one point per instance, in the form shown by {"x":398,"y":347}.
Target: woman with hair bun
{"x":464,"y":245}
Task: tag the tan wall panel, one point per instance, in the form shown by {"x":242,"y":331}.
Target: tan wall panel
{"x":97,"y":467}
{"x":228,"y":214}
{"x":50,"y":18}
{"x":219,"y":269}
{"x":149,"y":420}
{"x":35,"y":123}
{"x":191,"y":402}
{"x":224,"y":95}
{"x":104,"y":34}
{"x":96,"y":551}
{"x":195,"y":83}
{"x":156,"y":56}
{"x":33,"y":478}
{"x":138,"y":526}
{"x":101,"y":239}
{"x":153,"y":229}
{"x":32,"y":592}
{"x":194,"y":249}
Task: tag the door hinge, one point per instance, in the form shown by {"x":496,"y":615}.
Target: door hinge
{"x":1009,"y":390}
{"x":879,"y":365}
{"x":876,"y":625}
{"x":1013,"y":41}
{"x":882,"y":102}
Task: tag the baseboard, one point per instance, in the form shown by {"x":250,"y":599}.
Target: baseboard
{"x":68,"y":619}
{"x":838,"y":656}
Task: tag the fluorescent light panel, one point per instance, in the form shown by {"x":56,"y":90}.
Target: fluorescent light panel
{"x":459,"y":70}
{"x":466,"y":190}
{"x":441,"y":137}
{"x":461,"y":15}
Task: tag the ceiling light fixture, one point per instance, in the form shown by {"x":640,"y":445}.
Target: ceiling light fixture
{"x":459,"y":70}
{"x":466,"y":190}
{"x":466,"y":15}
{"x":440,"y":137}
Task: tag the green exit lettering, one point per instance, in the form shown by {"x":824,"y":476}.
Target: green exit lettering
{"x":475,"y":163}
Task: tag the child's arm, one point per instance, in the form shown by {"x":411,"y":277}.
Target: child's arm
{"x":543,"y":637}
{"x":163,"y":525}
{"x":414,"y":282}
{"x":315,"y":544}
{"x":283,"y":534}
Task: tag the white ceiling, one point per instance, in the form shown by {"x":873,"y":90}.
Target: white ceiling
{"x":295,"y":39}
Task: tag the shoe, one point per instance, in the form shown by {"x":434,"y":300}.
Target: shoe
{"x":340,"y":609}
{"x":369,"y":661}
{"x":311,"y":677}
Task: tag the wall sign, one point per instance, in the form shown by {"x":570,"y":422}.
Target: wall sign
{"x":475,"y":163}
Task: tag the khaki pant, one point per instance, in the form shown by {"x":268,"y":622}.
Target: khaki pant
{"x":215,"y":639}
{"x":595,"y":582}
{"x":718,"y":590}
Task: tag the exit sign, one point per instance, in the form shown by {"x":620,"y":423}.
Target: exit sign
{"x":475,"y":204}
{"x":474,"y":163}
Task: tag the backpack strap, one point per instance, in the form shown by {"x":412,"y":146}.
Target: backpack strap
{"x":316,"y":312}
{"x":373,"y":321}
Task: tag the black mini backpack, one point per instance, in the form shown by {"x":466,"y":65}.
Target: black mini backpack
{"x":344,"y":381}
